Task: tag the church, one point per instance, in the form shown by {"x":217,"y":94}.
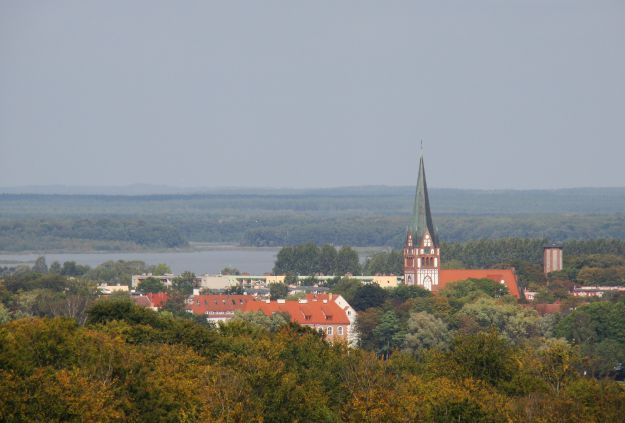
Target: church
{"x":422,"y":253}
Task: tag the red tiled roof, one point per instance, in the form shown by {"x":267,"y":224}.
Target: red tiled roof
{"x":218,"y":303}
{"x":320,"y":297}
{"x":141,"y":300}
{"x":311,"y":313}
{"x":446,"y":276}
{"x":158,"y":299}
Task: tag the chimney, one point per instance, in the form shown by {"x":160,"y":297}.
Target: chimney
{"x":281,"y":301}
{"x":330,"y":296}
{"x":302,"y":301}
{"x":325,"y":301}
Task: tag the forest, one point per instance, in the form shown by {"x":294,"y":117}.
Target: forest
{"x":469,"y":355}
{"x":365,"y":216}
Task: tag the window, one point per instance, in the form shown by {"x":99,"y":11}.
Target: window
{"x":329,"y":331}
{"x":339,"y":330}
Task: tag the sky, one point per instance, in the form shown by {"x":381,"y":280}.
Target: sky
{"x":504,"y":94}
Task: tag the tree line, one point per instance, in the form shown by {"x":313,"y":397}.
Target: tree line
{"x":132,"y":364}
{"x":283,"y":228}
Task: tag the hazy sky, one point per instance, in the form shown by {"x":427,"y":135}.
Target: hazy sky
{"x":505,"y":94}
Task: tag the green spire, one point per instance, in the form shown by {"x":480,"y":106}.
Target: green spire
{"x":421,"y":215}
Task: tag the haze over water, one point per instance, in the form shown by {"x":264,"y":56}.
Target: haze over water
{"x":251,"y":260}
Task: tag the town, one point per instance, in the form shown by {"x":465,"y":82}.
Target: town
{"x":324,"y":212}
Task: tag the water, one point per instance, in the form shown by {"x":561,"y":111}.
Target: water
{"x":251,"y":260}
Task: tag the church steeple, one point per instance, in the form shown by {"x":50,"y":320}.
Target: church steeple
{"x":422,"y":256}
{"x":421,"y":215}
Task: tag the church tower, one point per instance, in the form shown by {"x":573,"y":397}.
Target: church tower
{"x":422,"y":258}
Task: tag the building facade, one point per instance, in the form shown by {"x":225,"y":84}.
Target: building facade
{"x":422,"y":259}
{"x":552,"y":258}
{"x":422,"y":253}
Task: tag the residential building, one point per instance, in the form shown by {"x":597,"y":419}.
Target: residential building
{"x":595,"y":291}
{"x":217,"y":308}
{"x":338,"y":299}
{"x":324,"y":316}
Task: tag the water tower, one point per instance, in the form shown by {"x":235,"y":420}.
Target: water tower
{"x":552,"y":257}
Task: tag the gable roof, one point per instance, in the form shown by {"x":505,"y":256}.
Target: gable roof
{"x":310,"y":313}
{"x":158,"y":299}
{"x":141,"y":300}
{"x":508,"y":277}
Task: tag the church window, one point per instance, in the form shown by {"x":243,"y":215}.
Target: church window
{"x":329,"y":331}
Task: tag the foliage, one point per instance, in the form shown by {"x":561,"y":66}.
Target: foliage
{"x":513,"y":322}
{"x":230,"y":271}
{"x":366,"y":296}
{"x":185,"y":283}
{"x":388,"y":333}
{"x":136,"y":365}
{"x":278,"y":291}
{"x":459,"y":293}
{"x":425,"y":331}
{"x":385,"y":263}
{"x":117,"y":272}
{"x":153,"y":285}
{"x":308,"y":259}
{"x":40,"y":265}
{"x":160,"y":269}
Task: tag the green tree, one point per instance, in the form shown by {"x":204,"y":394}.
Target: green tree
{"x":230,"y":271}
{"x":270,"y":323}
{"x":425,"y":331}
{"x":347,"y":288}
{"x":185,"y":283}
{"x":70,"y":268}
{"x":4,"y":314}
{"x":486,"y":356}
{"x":388,"y":334}
{"x":385,"y":263}
{"x":40,"y":265}
{"x":557,"y":361}
{"x":278,"y":291}
{"x":119,"y":271}
{"x":347,"y":262}
{"x":55,"y":267}
{"x":327,"y":260}
{"x":291,"y":279}
{"x":515,"y":322}
{"x":366,"y":296}
{"x":153,"y":285}
{"x":161,"y":269}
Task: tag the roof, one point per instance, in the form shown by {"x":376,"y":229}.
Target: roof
{"x":558,"y":245}
{"x":141,"y":300}
{"x":421,"y":215}
{"x":310,"y":313}
{"x":446,"y":276}
{"x":321,"y":296}
{"x":218,"y":303}
{"x":158,"y":299}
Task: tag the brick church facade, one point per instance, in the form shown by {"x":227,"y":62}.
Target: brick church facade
{"x":422,"y":254}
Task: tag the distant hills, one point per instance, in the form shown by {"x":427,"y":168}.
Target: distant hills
{"x":387,"y":199}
